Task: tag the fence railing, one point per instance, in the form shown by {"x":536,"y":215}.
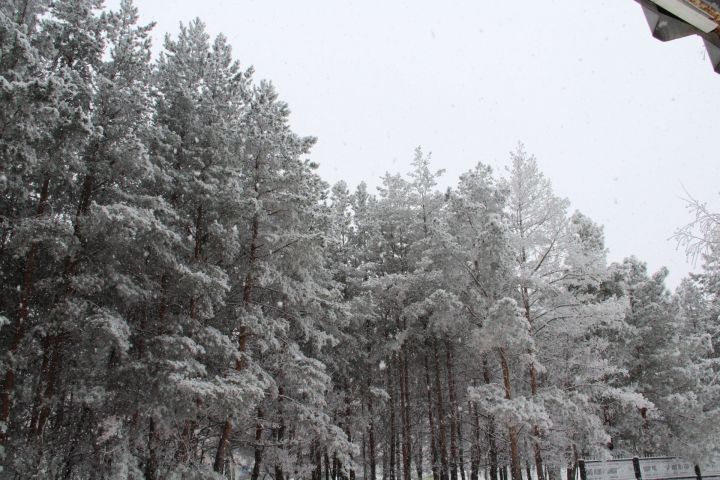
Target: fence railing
{"x":650,"y":468}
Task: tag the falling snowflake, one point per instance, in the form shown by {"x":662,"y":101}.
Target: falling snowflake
{"x":382,"y":365}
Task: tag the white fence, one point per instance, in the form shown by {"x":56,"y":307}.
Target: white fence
{"x":654,"y":468}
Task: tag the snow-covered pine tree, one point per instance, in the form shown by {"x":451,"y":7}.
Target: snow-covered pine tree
{"x":560,"y":264}
{"x":478,"y":247}
{"x":29,"y":119}
{"x":698,"y":306}
{"x":58,"y":48}
{"x":282,"y":292}
{"x":203,"y":104}
{"x":691,"y":400}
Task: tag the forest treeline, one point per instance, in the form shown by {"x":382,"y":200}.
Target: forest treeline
{"x":182,"y":296}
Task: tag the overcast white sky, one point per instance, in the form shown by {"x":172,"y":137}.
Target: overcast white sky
{"x":619,"y":121}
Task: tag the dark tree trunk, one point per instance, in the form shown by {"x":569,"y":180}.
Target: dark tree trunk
{"x":23,"y":312}
{"x":349,"y":433}
{"x":398,"y":449}
{"x":405,"y":415}
{"x":607,"y":421}
{"x":536,"y":430}
{"x":393,"y":429}
{"x":515,"y":468}
{"x":197,"y":255}
{"x":533,"y":390}
{"x":243,"y":336}
{"x":475,"y":448}
{"x":223,"y":446}
{"x":645,"y":431}
{"x":258,"y":447}
{"x":419,"y":457}
{"x":431,"y":423}
{"x":452,"y":406}
{"x":74,"y":442}
{"x":461,"y":449}
{"x":493,"y":453}
{"x":55,"y":338}
{"x":442,"y":444}
{"x":385,"y":460}
{"x":280,"y":433}
{"x":371,"y":439}
{"x":151,"y":465}
{"x":317,"y":456}
{"x":53,"y":355}
{"x":492,"y":445}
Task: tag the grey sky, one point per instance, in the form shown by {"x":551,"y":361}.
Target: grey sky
{"x":619,"y":121}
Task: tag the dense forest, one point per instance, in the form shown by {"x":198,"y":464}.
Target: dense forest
{"x":182,"y":296}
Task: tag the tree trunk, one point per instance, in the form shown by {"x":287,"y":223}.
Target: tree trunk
{"x":74,"y":441}
{"x":280,"y":433}
{"x":248,"y":287}
{"x":475,"y":448}
{"x":52,"y":354}
{"x":349,"y":433}
{"x":431,"y":423}
{"x":461,"y":449}
{"x":223,"y":446}
{"x":536,"y":429}
{"x":398,"y":449}
{"x":54,"y":343}
{"x":317,"y":456}
{"x":188,"y":432}
{"x":23,"y":312}
{"x":385,"y":460}
{"x":453,"y":407}
{"x":279,"y":472}
{"x":515,"y":468}
{"x":645,"y":433}
{"x":533,"y":391}
{"x":371,"y":439}
{"x":393,"y":431}
{"x":242,"y":337}
{"x":197,"y":255}
{"x":327,"y":466}
{"x":250,"y":274}
{"x":441,"y":415}
{"x":419,"y":457}
{"x":258,"y":446}
{"x":607,"y":421}
{"x":151,"y":465}
{"x":492,"y":450}
{"x":404,"y":414}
